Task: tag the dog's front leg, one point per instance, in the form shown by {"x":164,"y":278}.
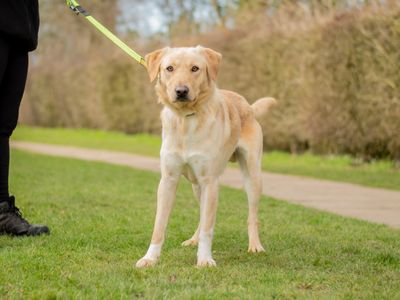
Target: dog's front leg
{"x":165,"y":199}
{"x":208,"y":209}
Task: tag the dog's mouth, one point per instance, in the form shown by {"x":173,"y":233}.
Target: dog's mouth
{"x":183,"y":99}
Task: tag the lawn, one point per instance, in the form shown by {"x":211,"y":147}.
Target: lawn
{"x":340,"y":168}
{"x":101,"y":218}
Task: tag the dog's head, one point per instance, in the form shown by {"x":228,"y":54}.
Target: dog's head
{"x":185,"y":74}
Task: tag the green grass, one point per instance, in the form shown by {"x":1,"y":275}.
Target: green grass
{"x":101,"y":217}
{"x":380,"y":174}
{"x":143,"y":144}
{"x":340,"y":168}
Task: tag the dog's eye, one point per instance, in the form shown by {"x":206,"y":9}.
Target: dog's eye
{"x":170,"y":68}
{"x":195,"y":68}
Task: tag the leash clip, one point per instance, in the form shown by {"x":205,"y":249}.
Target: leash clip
{"x":77,"y":9}
{"x":74,"y":9}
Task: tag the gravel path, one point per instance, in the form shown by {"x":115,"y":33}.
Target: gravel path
{"x":371,"y":204}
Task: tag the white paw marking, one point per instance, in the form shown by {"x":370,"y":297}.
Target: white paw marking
{"x":145,"y":263}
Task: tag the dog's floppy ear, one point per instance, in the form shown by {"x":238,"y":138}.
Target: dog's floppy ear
{"x":213,"y":59}
{"x":153,"y":61}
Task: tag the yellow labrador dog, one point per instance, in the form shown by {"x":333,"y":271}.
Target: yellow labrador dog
{"x":203,"y":127}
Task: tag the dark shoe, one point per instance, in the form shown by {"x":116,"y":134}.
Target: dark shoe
{"x":12,"y":222}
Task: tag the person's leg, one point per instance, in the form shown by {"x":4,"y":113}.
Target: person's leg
{"x":4,"y":145}
{"x":4,"y":166}
{"x":12,"y":85}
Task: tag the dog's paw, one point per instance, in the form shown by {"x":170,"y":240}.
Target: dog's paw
{"x":190,"y":242}
{"x":206,"y":262}
{"x":145,"y":263}
{"x":255,"y":248}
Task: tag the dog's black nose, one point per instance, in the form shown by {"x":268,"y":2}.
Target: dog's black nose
{"x":182,"y":92}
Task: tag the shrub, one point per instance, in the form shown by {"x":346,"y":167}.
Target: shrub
{"x":336,"y":78}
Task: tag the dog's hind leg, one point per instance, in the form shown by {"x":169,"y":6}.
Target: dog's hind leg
{"x":249,"y":155}
{"x":194,"y":240}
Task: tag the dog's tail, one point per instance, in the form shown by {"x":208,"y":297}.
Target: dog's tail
{"x":262,"y":106}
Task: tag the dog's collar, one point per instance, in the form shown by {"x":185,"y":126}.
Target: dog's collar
{"x":190,"y":115}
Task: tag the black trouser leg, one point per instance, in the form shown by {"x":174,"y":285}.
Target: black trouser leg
{"x":4,"y":166}
{"x":13,"y":71}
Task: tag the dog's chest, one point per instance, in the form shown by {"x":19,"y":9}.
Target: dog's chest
{"x":192,"y":136}
{"x":192,"y":141}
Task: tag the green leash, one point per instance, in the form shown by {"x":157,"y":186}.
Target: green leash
{"x":80,"y":10}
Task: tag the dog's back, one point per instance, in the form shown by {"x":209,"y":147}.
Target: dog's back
{"x":257,"y":110}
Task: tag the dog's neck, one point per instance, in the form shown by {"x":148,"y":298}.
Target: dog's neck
{"x":206,"y":105}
